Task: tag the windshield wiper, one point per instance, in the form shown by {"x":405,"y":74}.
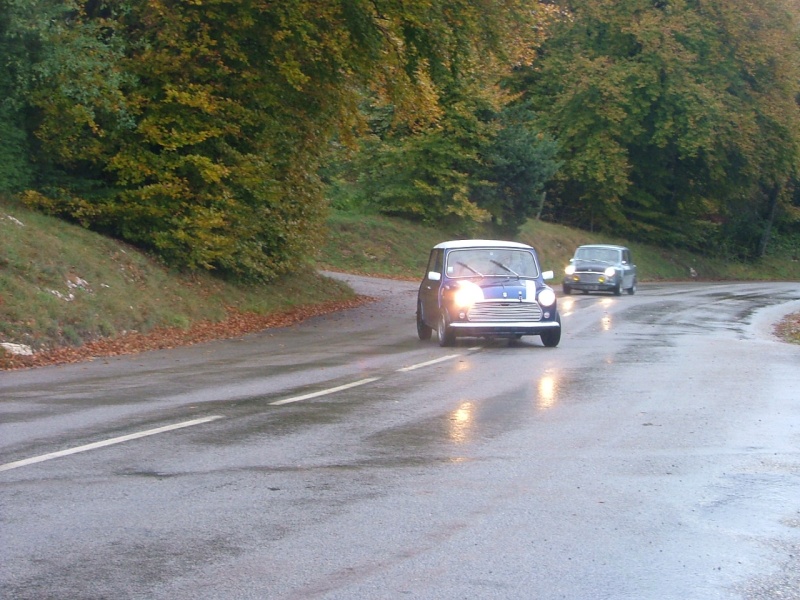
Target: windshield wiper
{"x":466,"y":266}
{"x":502,"y":266}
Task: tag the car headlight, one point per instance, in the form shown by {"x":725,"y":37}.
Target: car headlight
{"x":467,"y":294}
{"x":570,"y":270}
{"x":547,"y":297}
{"x":610,"y":272}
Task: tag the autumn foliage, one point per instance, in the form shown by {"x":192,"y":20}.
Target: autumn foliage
{"x":215,"y":132}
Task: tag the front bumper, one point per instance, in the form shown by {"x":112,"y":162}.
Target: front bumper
{"x":503,"y":329}
{"x":591,"y":282}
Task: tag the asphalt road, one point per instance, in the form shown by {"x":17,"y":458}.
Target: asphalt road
{"x":655,"y":454}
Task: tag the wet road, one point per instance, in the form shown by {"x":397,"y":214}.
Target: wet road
{"x":655,"y":454}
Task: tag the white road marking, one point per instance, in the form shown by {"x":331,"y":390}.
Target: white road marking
{"x":109,"y":442}
{"x":149,"y":432}
{"x":324,"y":392}
{"x":430,"y":362}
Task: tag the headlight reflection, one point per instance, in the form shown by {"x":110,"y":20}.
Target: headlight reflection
{"x":460,"y":423}
{"x":547,"y":391}
{"x":565,"y":305}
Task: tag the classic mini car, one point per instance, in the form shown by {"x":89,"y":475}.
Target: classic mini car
{"x":600,"y":268}
{"x":486,"y":288}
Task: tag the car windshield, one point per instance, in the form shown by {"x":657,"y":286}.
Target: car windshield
{"x":609,"y":255}
{"x":491,"y":262}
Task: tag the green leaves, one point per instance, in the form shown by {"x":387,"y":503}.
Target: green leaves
{"x":669,"y":115}
{"x":196,"y":129}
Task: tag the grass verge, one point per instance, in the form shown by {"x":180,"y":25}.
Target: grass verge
{"x":70,"y":294}
{"x":65,"y":292}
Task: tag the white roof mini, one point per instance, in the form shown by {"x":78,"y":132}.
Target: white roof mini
{"x":481,"y":244}
{"x":614,"y":246}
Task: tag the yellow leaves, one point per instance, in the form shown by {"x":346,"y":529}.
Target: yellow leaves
{"x":63,"y":202}
{"x":208,"y":170}
{"x":292,"y":72}
{"x":170,"y":137}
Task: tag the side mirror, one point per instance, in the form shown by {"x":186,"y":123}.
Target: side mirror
{"x":434,"y":276}
{"x":547,"y":275}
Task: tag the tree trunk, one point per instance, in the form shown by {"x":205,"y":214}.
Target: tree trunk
{"x":541,"y":206}
{"x":772,"y":207}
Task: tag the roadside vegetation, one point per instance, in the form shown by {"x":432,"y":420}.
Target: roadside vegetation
{"x":63,"y":287}
{"x":385,"y":246}
{"x":242,"y":146}
{"x":70,"y":294}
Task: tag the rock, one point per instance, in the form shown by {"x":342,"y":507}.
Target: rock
{"x":18,"y":349}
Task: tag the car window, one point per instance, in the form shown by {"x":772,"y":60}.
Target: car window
{"x":609,"y":255}
{"x":434,"y":262}
{"x":491,"y":262}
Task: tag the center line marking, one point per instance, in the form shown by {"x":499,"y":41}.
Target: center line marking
{"x":324,"y":392}
{"x":430,"y":362}
{"x":109,"y":442}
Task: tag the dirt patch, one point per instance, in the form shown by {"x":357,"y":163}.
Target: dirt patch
{"x":789,"y":329}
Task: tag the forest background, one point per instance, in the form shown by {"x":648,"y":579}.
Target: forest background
{"x":217,"y":134}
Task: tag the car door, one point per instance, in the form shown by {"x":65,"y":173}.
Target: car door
{"x":628,"y":270}
{"x":429,"y":288}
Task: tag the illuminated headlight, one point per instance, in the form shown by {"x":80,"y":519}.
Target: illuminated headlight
{"x":610,"y":272}
{"x":467,"y":294}
{"x":570,"y":270}
{"x":547,"y":297}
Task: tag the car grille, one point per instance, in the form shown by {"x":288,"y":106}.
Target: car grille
{"x":505,"y":312}
{"x":585,"y":277}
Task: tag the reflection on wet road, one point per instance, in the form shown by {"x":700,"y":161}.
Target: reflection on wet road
{"x":654,"y":454}
{"x":460,"y":420}
{"x":548,"y":387}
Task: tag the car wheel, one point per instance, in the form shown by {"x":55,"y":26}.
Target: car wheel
{"x":447,"y":336}
{"x":552,"y":337}
{"x":618,"y":288}
{"x":632,"y":289}
{"x":423,"y":331}
{"x":566,"y":289}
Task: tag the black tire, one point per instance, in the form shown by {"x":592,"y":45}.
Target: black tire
{"x":566,"y":289}
{"x":447,"y":336}
{"x":632,"y":289}
{"x":423,"y":330}
{"x":552,"y":337}
{"x":618,"y":288}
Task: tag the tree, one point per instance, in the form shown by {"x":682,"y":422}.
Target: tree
{"x":518,"y":163}
{"x":428,"y":173}
{"x":671,"y":116}
{"x":197,"y":129}
{"x":468,"y":159}
{"x":18,"y":47}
